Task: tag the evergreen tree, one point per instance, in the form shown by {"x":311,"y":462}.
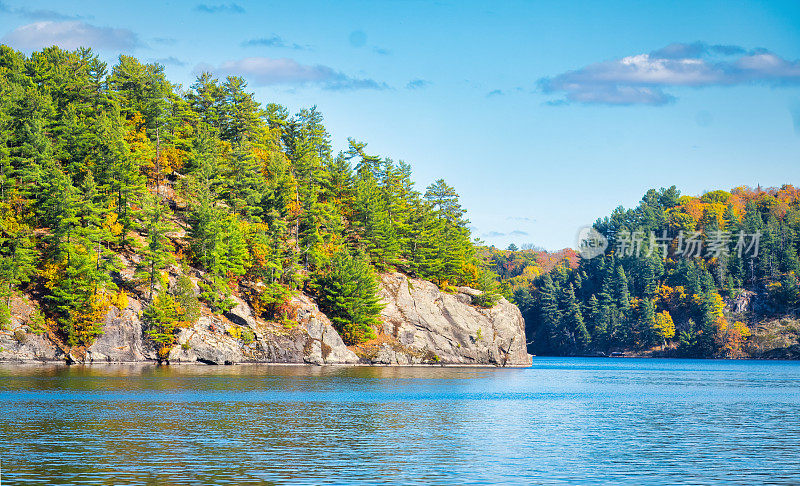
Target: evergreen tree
{"x":347,"y":293}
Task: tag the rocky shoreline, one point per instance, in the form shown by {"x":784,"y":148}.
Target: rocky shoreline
{"x":421,"y":325}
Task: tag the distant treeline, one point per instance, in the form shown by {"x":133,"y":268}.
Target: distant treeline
{"x":670,"y":266}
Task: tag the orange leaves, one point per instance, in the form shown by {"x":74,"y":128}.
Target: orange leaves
{"x":170,"y":160}
{"x":734,"y":338}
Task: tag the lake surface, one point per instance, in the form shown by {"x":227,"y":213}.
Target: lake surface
{"x":563,"y":421}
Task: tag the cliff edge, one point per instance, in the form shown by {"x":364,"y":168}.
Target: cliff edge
{"x":420,"y":325}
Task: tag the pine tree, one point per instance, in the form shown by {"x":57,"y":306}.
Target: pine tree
{"x":550,"y":315}
{"x":347,"y":293}
{"x":156,"y":254}
{"x":572,"y":321}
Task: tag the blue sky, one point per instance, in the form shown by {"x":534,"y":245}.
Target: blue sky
{"x":543,"y":115}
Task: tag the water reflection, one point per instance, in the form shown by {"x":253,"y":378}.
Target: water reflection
{"x":562,"y":421}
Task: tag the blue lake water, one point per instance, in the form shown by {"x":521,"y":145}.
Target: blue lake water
{"x":563,"y":421}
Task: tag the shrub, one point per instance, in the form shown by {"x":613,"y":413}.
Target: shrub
{"x":486,"y":299}
{"x":248,"y":336}
{"x":36,"y":322}
{"x":217,"y":295}
{"x":5,"y":316}
{"x":185,"y":296}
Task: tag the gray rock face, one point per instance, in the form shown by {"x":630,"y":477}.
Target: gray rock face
{"x":326,"y":346}
{"x":123,"y":339}
{"x":17,"y":344}
{"x":422,"y":324}
{"x":311,"y":338}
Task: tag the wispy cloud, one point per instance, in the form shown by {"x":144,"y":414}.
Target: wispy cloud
{"x":233,"y":8}
{"x":70,"y":35}
{"x":498,"y":234}
{"x":171,"y":60}
{"x":503,"y":92}
{"x":166,"y":41}
{"x":265,"y":71}
{"x":642,"y":78}
{"x":38,"y":14}
{"x":418,"y":84}
{"x":274,"y":41}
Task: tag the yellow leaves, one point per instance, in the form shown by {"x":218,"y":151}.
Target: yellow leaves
{"x":672,"y":297}
{"x":680,"y":220}
{"x":235,"y":332}
{"x":664,"y":294}
{"x":741,"y":328}
{"x":170,"y":159}
{"x":140,"y":146}
{"x":50,"y":272}
{"x":470,"y":272}
{"x":87,"y":321}
{"x":294,"y":210}
{"x":664,"y":326}
{"x":717,"y":305}
{"x":120,"y":301}
{"x":773,"y":286}
{"x":111,"y":223}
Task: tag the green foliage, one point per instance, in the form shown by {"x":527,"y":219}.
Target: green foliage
{"x":97,"y":164}
{"x":347,"y":294}
{"x":486,"y":299}
{"x":36,"y":322}
{"x":661,"y":297}
{"x":156,"y":254}
{"x":162,"y":317}
{"x":217,"y":295}
{"x":5,"y":316}
{"x":186,"y":298}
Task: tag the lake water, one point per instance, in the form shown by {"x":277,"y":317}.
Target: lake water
{"x":563,"y":421}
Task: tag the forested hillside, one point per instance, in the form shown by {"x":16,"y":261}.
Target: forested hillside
{"x":689,"y":275}
{"x":107,"y":169}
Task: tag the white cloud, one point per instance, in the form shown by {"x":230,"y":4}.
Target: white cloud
{"x":70,"y":35}
{"x":641,"y":78}
{"x":265,"y":71}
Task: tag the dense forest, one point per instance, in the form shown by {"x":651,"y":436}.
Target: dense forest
{"x":106,"y":171}
{"x":689,"y":275}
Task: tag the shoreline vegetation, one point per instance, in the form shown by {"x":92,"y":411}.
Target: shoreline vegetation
{"x":713,"y":276}
{"x":143,"y":220}
{"x":195,"y":223}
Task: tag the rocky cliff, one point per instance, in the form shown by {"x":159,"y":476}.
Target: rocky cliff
{"x":420,"y":325}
